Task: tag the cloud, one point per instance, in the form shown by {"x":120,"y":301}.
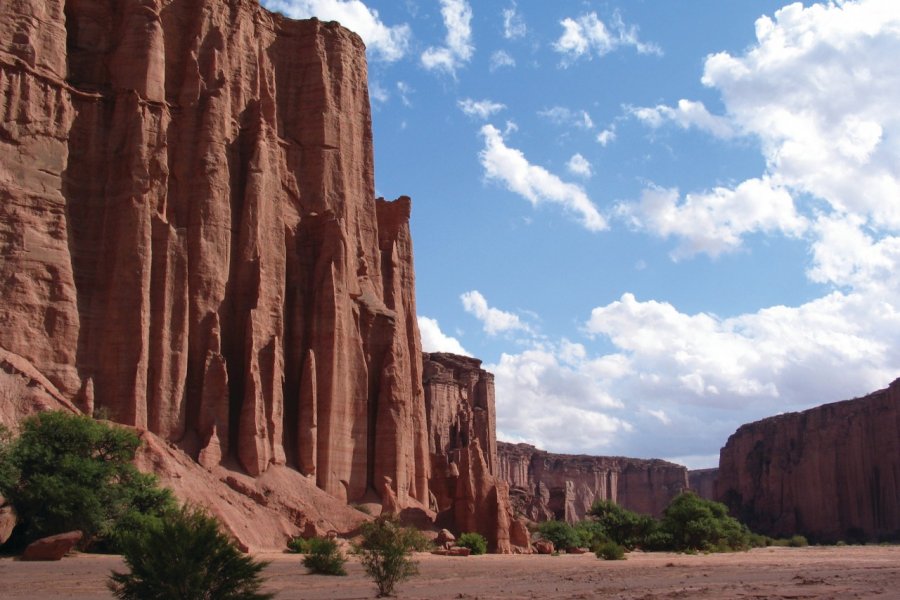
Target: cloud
{"x":513,"y":23}
{"x":606,"y":137}
{"x":405,"y":91}
{"x":534,"y":183}
{"x":435,"y":340}
{"x":493,"y":320}
{"x":714,"y":222}
{"x":482,"y":109}
{"x":560,"y":115}
{"x":458,"y":50}
{"x":587,"y":35}
{"x":686,"y":115}
{"x":386,"y":43}
{"x":500,"y":59}
{"x":579,"y":165}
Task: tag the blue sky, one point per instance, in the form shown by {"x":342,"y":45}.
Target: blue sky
{"x":652,"y":220}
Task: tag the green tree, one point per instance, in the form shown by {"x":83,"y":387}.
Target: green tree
{"x":474,"y":542}
{"x":386,"y":553}
{"x":694,"y":523}
{"x":186,"y":557}
{"x":562,"y":534}
{"x":622,"y":526}
{"x":67,"y":472}
{"x":324,"y":557}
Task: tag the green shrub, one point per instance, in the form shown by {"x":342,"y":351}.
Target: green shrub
{"x":798,"y":541}
{"x":298,"y":545}
{"x":695,"y":523}
{"x":385,"y":553}
{"x":186,"y":557}
{"x":560,"y":533}
{"x":324,"y":557}
{"x":610,"y":551}
{"x":590,"y":533}
{"x":622,"y":526}
{"x":474,"y":542}
{"x":67,"y":472}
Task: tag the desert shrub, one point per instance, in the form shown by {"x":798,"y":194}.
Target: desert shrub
{"x":324,"y":557}
{"x":695,"y":523}
{"x":798,"y":541}
{"x":622,"y":526}
{"x":610,"y":551}
{"x":560,"y":533}
{"x":9,"y":475}
{"x":67,"y":472}
{"x":756,"y":540}
{"x":298,"y":545}
{"x":386,"y":553}
{"x":658,"y":541}
{"x":186,"y":557}
{"x":474,"y":542}
{"x":590,"y":533}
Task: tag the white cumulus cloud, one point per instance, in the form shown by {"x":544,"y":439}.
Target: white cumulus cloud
{"x":513,"y":23}
{"x":579,"y":165}
{"x":389,"y":43}
{"x":493,"y":320}
{"x":501,"y":59}
{"x":534,"y":183}
{"x":435,"y":340}
{"x":457,"y":15}
{"x":687,"y":114}
{"x":561,"y":115}
{"x":587,"y":35}
{"x":482,"y":109}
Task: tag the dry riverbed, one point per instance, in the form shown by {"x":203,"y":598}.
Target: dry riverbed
{"x":787,"y":573}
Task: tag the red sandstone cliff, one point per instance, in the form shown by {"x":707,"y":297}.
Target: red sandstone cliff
{"x":548,"y":486}
{"x":468,"y":495}
{"x":831,"y":473}
{"x":703,"y":482}
{"x":190,"y":243}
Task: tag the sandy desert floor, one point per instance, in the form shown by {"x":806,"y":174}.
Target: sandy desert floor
{"x":787,"y":573}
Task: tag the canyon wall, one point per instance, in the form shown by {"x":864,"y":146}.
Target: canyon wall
{"x":546,"y":486}
{"x":190,"y":242}
{"x":467,"y":494}
{"x":703,"y":482}
{"x":831,"y":473}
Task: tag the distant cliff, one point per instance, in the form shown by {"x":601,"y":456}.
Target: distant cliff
{"x":703,"y":482}
{"x":831,"y":472}
{"x":562,"y":486}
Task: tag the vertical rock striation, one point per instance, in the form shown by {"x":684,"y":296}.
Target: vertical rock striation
{"x":547,"y":486}
{"x":830,"y":473}
{"x":467,"y":494}
{"x":190,"y":242}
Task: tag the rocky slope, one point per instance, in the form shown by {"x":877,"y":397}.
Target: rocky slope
{"x":468,"y":495}
{"x":831,"y":472}
{"x":190,"y":243}
{"x":562,"y":486}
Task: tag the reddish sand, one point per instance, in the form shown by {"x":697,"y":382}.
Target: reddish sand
{"x":788,"y":573}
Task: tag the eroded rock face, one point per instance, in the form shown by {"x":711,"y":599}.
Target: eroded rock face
{"x":190,"y":243}
{"x":830,"y":473}
{"x":703,"y":482}
{"x":547,"y":486}
{"x":467,"y":494}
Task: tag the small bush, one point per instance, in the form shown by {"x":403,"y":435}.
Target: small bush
{"x":385,"y":553}
{"x":622,"y":526}
{"x":474,"y":542}
{"x":590,"y":533}
{"x":298,"y":545}
{"x":695,"y":523}
{"x":798,"y":541}
{"x":186,"y":557}
{"x":560,"y":533}
{"x":324,"y":557}
{"x":610,"y":551}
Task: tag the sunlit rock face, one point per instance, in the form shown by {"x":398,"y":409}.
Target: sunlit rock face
{"x":831,"y":473}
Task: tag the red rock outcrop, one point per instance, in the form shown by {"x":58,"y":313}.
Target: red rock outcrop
{"x":190,"y":243}
{"x":467,"y":494}
{"x":703,"y":482}
{"x":54,"y":547}
{"x":830,"y":473}
{"x":547,"y":486}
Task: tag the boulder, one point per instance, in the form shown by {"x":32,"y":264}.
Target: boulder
{"x":445,"y":538}
{"x":53,"y":547}
{"x":543,"y":547}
